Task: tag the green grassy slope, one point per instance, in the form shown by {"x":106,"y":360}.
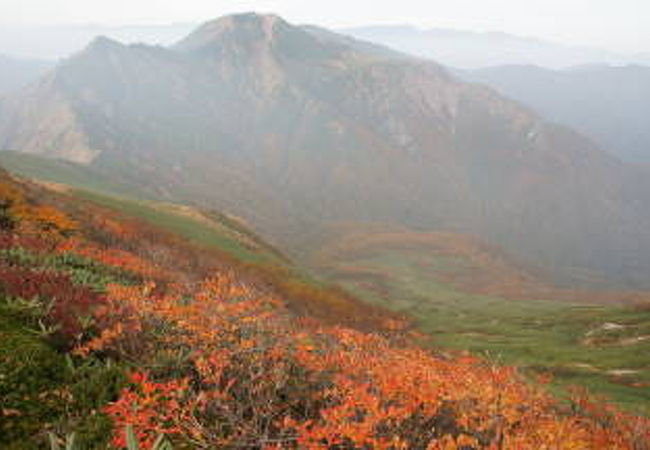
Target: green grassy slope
{"x":209,"y":228}
{"x":203,"y":229}
{"x":59,"y":171}
{"x":305,"y":291}
{"x":602,"y":347}
{"x":605,"y":348}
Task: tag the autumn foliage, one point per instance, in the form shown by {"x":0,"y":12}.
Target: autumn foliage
{"x":253,"y":377}
{"x":222,"y":360}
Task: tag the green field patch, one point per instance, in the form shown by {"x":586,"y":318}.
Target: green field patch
{"x":203,"y":232}
{"x":60,"y":171}
{"x":586,"y":345}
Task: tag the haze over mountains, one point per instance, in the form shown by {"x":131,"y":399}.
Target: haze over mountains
{"x":17,"y":73}
{"x":294,"y":128}
{"x":472,"y":50}
{"x":455,"y":48}
{"x":611,"y":105}
{"x":56,"y":42}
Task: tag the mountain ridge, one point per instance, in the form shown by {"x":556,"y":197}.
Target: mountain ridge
{"x":304,"y":129}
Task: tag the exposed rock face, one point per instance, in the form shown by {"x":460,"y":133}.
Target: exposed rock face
{"x":42,"y":121}
{"x":292,"y":128}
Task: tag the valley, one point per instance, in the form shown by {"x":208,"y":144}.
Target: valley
{"x":602,"y":347}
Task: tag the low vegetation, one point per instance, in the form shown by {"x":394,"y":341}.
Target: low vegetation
{"x":111,"y":324}
{"x":604,"y":346}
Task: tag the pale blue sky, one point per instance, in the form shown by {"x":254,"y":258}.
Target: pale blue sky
{"x":621,"y":25}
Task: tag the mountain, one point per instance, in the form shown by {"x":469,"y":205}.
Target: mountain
{"x":455,"y":48}
{"x":471,"y":50}
{"x":17,"y":73}
{"x":609,"y":104}
{"x":293,"y":129}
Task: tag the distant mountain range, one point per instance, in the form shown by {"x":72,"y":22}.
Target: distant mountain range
{"x":294,"y":128}
{"x":471,"y":50}
{"x":454,"y":48}
{"x":609,"y":104}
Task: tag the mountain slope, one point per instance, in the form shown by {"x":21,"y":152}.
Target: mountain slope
{"x":109,"y":321}
{"x":465,"y":294}
{"x":291,"y":129}
{"x":609,"y":104}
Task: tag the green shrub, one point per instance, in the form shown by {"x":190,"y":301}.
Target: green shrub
{"x":82,"y":271}
{"x":70,"y":442}
{"x":46,"y":390}
{"x":31,"y":375}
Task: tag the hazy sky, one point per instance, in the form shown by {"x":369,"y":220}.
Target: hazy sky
{"x":621,"y":25}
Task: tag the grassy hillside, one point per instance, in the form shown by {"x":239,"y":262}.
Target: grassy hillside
{"x":109,"y":319}
{"x":60,"y":171}
{"x":605,"y":347}
{"x":464,"y":294}
{"x":210,"y":228}
{"x":204,"y":229}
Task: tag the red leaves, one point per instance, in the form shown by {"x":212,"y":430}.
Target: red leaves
{"x":245,"y":374}
{"x":68,"y":304}
{"x":152,"y":408}
{"x":114,"y":258}
{"x":351,"y":389}
{"x":16,"y":210}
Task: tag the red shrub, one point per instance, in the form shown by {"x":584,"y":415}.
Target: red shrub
{"x":67,"y":305}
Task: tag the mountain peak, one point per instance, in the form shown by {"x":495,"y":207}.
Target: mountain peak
{"x":243,"y":38}
{"x":99,"y":47}
{"x":246,"y":28}
{"x":103,"y":42}
{"x":254,"y":18}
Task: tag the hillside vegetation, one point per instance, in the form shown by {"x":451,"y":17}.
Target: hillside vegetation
{"x":107,"y":320}
{"x":467,"y":295}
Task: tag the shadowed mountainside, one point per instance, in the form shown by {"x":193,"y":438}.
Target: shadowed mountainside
{"x":609,"y":104}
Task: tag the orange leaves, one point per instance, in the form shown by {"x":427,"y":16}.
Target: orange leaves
{"x":10,"y":195}
{"x":386,"y":397}
{"x":224,"y":364}
{"x":115,"y":258}
{"x":228,"y":366}
{"x":15,"y":209}
{"x":48,"y":218}
{"x":260,"y":379}
{"x":152,"y":408}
